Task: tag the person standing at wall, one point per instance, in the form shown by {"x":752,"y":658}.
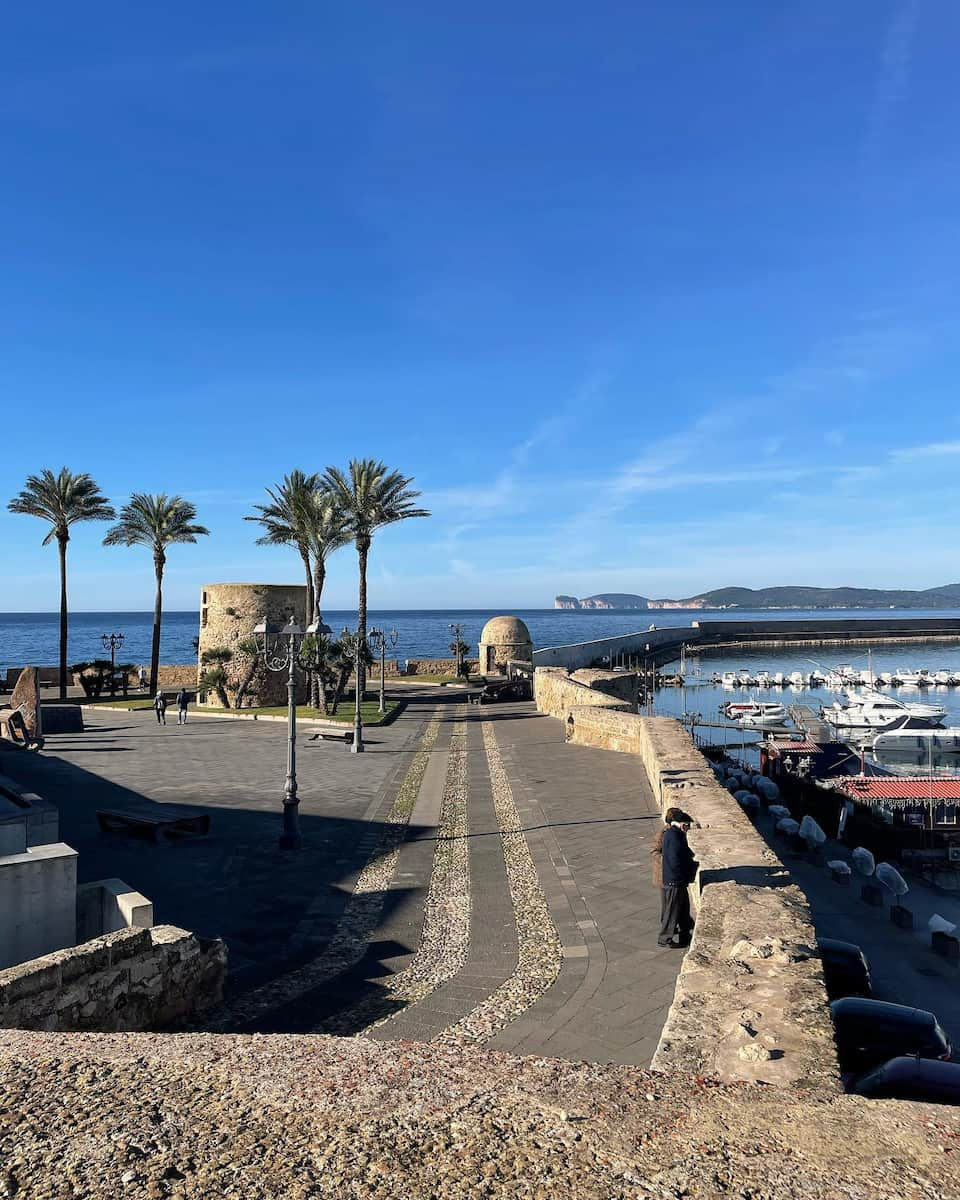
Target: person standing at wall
{"x":160,"y":705}
{"x":679,"y":869}
{"x":183,"y":701}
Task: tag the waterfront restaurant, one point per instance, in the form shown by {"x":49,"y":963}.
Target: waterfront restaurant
{"x":916,"y":801}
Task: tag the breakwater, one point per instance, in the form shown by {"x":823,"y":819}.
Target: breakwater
{"x":656,"y":646}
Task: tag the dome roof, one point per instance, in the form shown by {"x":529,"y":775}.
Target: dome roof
{"x":505,"y":631}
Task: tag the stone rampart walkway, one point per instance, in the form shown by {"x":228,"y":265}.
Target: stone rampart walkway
{"x":470,"y":880}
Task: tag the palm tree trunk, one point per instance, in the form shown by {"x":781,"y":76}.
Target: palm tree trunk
{"x":308,"y":613}
{"x":363,"y":549}
{"x":317,"y":687}
{"x":62,"y":546}
{"x":157,"y":617}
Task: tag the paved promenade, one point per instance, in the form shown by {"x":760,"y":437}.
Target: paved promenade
{"x":470,"y":879}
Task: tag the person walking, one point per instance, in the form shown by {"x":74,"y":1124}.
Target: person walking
{"x":183,"y":700}
{"x":142,"y":678}
{"x":160,"y":705}
{"x":679,"y":869}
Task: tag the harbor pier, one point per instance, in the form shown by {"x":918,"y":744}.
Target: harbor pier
{"x":655,"y":647}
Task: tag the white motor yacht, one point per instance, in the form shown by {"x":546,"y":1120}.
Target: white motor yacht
{"x":778,"y":680}
{"x":907,"y":678}
{"x":796,"y":678}
{"x":866,"y":711}
{"x":728,"y":679}
{"x":926,"y":741}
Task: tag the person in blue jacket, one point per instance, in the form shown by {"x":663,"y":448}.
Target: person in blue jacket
{"x":679,"y":871}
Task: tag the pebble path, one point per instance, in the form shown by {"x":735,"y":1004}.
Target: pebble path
{"x":540,"y":952}
{"x":446,"y":912}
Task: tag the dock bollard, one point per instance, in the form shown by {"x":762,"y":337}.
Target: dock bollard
{"x":901,"y":917}
{"x":945,"y":945}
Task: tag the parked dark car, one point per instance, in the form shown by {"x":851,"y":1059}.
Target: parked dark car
{"x":493,"y":693}
{"x":906,"y":1078}
{"x":869,"y":1032}
{"x":845,"y":969}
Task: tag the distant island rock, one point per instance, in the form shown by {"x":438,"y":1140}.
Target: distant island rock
{"x":947,"y":596}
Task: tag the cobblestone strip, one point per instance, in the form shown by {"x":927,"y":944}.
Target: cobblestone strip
{"x":540,"y":955}
{"x":361,"y":915}
{"x":445,"y":937}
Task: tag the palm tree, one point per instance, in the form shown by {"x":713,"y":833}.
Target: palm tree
{"x":370,"y":496}
{"x":156,"y":522}
{"x":63,"y":500}
{"x":285,"y":520}
{"x":327,"y":529}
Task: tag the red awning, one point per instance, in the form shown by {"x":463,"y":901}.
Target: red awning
{"x":872,"y":787}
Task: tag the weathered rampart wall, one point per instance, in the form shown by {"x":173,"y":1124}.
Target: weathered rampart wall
{"x":434,"y":666}
{"x":750,"y":1001}
{"x":556,"y":692}
{"x":134,"y":979}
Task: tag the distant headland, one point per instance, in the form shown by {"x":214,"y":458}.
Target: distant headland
{"x":947,"y":596}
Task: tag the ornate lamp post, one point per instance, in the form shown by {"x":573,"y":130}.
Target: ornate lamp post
{"x":283,"y":649}
{"x":112,"y":642}
{"x":378,"y":641}
{"x":359,"y":645}
{"x":458,"y":644}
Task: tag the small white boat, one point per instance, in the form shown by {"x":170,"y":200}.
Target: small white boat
{"x":778,"y":680}
{"x":728,"y":679}
{"x":796,"y":679}
{"x":745,"y":679}
{"x":755,"y":714}
{"x":908,"y":678}
{"x":763,"y":679}
{"x":926,"y":741}
{"x":886,"y":678}
{"x":944,"y":678}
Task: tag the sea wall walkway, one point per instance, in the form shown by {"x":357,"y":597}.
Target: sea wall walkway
{"x":663,"y":645}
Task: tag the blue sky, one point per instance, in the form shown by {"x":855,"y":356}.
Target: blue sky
{"x":648,"y":297}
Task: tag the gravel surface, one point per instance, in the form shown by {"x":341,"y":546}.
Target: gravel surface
{"x":199,"y":1115}
{"x":540,"y":954}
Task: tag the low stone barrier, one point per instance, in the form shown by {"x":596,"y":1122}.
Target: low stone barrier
{"x":135,"y":979}
{"x":557,"y":692}
{"x":750,"y":1001}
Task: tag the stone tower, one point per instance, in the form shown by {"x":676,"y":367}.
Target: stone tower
{"x":228,"y":614}
{"x":503,"y":640}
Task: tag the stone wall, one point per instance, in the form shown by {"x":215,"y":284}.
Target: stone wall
{"x":750,"y":1002}
{"x":556,"y":692}
{"x":435,"y":666}
{"x":131,"y":980}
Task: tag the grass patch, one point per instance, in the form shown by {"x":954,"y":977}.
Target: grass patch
{"x":369,"y":710}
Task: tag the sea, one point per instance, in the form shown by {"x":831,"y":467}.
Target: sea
{"x":33,"y":638}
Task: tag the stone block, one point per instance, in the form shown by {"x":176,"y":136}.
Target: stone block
{"x":841,"y":877}
{"x":28,"y":979}
{"x":901,"y":917}
{"x":946,"y":945}
{"x":872,"y":894}
{"x":126,"y":943}
{"x":26,"y":698}
{"x":82,"y":961}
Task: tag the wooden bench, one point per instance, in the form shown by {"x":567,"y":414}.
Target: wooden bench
{"x":160,"y":824}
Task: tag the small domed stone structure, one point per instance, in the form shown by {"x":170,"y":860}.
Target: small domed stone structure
{"x":504,"y":640}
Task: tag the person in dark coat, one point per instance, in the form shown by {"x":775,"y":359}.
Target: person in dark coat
{"x":183,"y":700}
{"x":160,"y":707}
{"x":679,"y":869}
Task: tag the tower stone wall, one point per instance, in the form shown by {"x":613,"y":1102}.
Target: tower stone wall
{"x":228,"y":614}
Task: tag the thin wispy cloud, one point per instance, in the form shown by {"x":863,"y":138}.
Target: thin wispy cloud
{"x":930,"y":450}
{"x":893,"y":74}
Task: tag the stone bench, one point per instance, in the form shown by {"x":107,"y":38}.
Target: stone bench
{"x":160,"y":824}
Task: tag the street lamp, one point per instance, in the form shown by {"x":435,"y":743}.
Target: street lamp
{"x":112,"y":642}
{"x":458,"y":644}
{"x":282,"y":649}
{"x":359,"y":645}
{"x":378,"y":640}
